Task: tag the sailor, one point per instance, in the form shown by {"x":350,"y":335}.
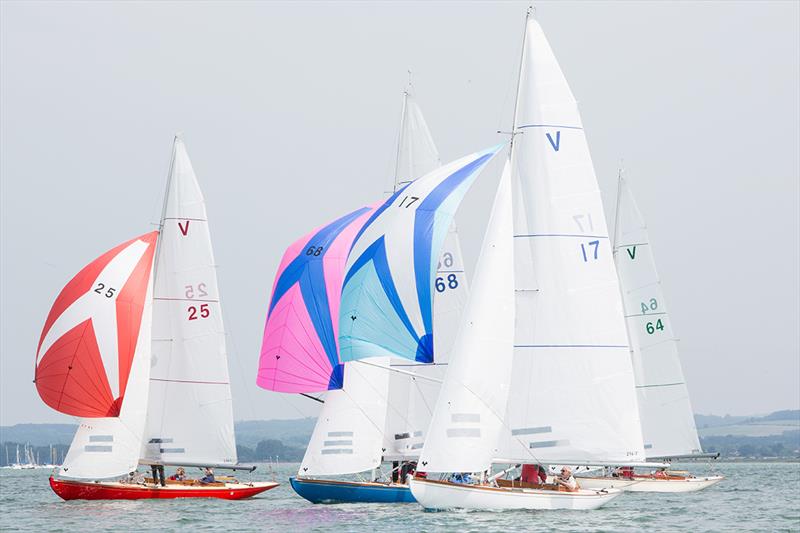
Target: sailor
{"x":179,"y":475}
{"x":158,"y":474}
{"x":533,"y":474}
{"x":208,"y":477}
{"x":566,"y":480}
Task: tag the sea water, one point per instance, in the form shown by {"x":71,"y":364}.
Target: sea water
{"x":753,"y":497}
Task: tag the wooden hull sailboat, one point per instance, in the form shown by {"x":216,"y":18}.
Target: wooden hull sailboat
{"x":88,"y":490}
{"x":435,"y":494}
{"x":134,"y":346}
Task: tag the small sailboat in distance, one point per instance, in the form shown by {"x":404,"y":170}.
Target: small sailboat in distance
{"x":134,"y":346}
{"x":668,"y":426}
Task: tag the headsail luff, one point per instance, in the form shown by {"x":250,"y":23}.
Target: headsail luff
{"x":572,"y":390}
{"x":666,"y":413}
{"x":190,"y":411}
{"x":300,"y":348}
{"x":387,"y":302}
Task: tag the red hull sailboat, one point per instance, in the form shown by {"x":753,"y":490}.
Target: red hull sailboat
{"x":134,"y":346}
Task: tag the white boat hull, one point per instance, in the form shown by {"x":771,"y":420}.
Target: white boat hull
{"x":444,"y":495}
{"x":690,"y":484}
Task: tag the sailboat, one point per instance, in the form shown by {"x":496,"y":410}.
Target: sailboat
{"x":381,"y":411}
{"x":540,"y":371}
{"x":134,"y":346}
{"x":665,"y":411}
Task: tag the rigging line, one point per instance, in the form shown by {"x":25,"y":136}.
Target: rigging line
{"x":406,"y":372}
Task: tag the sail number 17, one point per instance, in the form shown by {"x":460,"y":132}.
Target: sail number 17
{"x":586,"y":250}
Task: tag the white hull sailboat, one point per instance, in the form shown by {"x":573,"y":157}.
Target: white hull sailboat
{"x":446,"y":495}
{"x":651,"y":483}
{"x":668,"y":426}
{"x":540,"y":370}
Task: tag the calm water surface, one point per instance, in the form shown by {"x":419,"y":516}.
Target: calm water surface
{"x":754,"y":497}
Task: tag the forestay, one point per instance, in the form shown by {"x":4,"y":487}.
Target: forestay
{"x":666,"y":413}
{"x":572,"y":391}
{"x":387,"y":303}
{"x":468,"y":419}
{"x":190,"y":417}
{"x":94,"y":359}
{"x":300,"y":348}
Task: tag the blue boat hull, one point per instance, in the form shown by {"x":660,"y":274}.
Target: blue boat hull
{"x":330,"y":491}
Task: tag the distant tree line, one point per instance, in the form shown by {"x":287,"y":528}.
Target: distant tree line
{"x":786,"y":445}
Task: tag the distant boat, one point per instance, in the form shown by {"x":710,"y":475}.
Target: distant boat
{"x":135,"y":346}
{"x":665,"y":411}
{"x":541,"y":371}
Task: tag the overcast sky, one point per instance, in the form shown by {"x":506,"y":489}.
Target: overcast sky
{"x":290,"y":113}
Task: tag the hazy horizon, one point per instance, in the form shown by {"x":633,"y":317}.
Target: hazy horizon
{"x":290,"y":114}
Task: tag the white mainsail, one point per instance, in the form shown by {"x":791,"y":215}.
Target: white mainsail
{"x":572,"y":389}
{"x":666,"y":413}
{"x":190,"y":414}
{"x":468,"y":419}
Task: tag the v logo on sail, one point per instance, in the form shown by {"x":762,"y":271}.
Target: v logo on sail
{"x":555,"y":144}
{"x":184,"y":229}
{"x":631,"y":252}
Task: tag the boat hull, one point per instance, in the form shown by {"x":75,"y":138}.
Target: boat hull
{"x":445,"y":495}
{"x":647,"y":484}
{"x":332,"y":491}
{"x":82,"y":490}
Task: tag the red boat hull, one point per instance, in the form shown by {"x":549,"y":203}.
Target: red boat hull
{"x":81,"y":490}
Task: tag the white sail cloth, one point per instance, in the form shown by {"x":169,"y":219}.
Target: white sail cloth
{"x":190,"y":414}
{"x":572,"y":389}
{"x":468,"y":418}
{"x":666,"y":413}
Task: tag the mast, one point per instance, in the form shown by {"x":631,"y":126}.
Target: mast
{"x":164,"y":205}
{"x":616,"y":210}
{"x":400,"y":135}
{"x":519,"y":81}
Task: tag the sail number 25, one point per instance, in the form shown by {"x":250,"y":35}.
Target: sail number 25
{"x":203,"y":312}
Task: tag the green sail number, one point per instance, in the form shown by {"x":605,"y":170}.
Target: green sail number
{"x":651,"y":328}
